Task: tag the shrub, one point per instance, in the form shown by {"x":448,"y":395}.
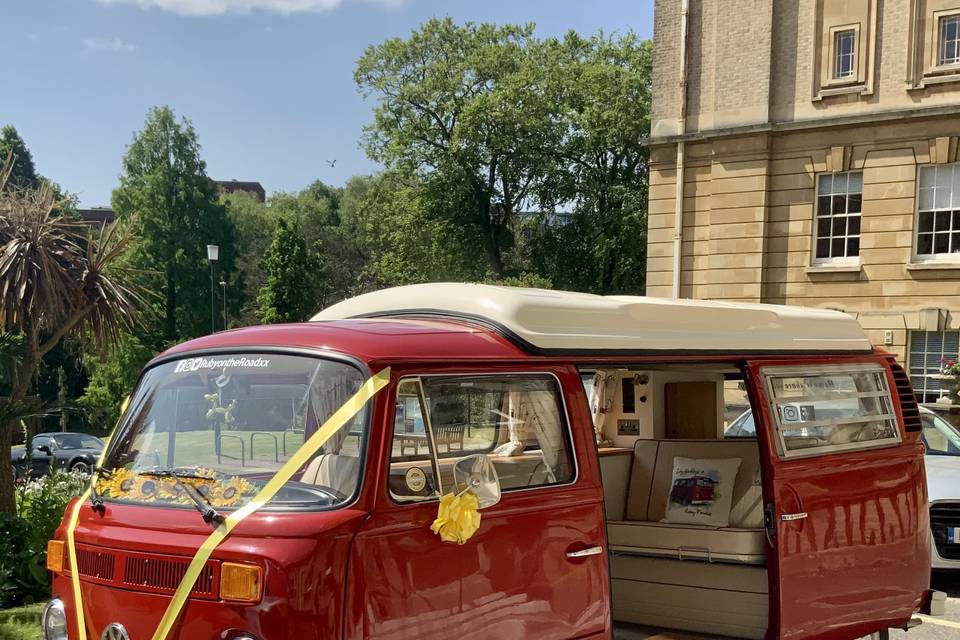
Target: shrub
{"x":23,"y":538}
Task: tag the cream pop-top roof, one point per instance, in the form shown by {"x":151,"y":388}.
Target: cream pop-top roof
{"x":562,"y":321}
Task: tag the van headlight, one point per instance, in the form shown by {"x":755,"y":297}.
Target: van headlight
{"x":54,"y":621}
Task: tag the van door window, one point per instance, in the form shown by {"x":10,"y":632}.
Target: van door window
{"x":830,"y":408}
{"x":517,"y":420}
{"x":413,"y":467}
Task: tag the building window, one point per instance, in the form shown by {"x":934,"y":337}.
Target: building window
{"x":929,"y":350}
{"x":844,"y":52}
{"x":938,"y":211}
{"x":839,"y":197}
{"x":949,"y":40}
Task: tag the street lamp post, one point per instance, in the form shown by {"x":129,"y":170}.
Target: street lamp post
{"x":213,"y":253}
{"x":223,"y":288}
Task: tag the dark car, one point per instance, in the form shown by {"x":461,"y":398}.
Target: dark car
{"x":67,"y":451}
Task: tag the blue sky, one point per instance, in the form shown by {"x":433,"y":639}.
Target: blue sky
{"x":268,"y":84}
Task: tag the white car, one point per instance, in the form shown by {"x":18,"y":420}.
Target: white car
{"x":942,"y":463}
{"x":943,"y":488}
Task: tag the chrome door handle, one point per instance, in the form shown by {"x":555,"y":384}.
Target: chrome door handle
{"x":583,"y":553}
{"x":790,"y":517}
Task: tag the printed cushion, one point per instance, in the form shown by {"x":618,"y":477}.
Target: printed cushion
{"x":701,"y":491}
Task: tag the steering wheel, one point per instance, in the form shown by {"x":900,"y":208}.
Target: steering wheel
{"x":328,"y":493}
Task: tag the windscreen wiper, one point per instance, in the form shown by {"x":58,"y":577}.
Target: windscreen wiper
{"x":210,"y":515}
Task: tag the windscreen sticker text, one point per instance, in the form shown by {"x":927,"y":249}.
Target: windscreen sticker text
{"x":197,"y":364}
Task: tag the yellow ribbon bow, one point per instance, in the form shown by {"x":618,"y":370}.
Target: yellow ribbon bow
{"x":458,"y":517}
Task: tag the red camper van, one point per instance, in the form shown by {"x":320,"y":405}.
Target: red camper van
{"x":467,"y":461}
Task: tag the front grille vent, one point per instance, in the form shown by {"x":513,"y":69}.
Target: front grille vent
{"x":943,"y":517}
{"x":160,"y":574}
{"x":96,"y":564}
{"x":908,"y":401}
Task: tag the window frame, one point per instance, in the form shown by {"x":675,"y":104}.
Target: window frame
{"x":829,"y":78}
{"x":785,"y":454}
{"x":564,"y":417}
{"x":937,"y":23}
{"x":933,"y":257}
{"x":837,"y":34}
{"x":815,"y":233}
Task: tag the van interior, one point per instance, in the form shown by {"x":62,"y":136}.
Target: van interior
{"x":682,"y":487}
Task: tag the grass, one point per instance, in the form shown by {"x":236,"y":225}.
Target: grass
{"x":22,"y":623}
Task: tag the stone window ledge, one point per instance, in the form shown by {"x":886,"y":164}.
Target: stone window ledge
{"x":931,"y":80}
{"x":818,"y":269}
{"x":934,"y":265}
{"x":827,"y":91}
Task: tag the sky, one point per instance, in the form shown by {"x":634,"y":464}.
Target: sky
{"x":268,"y":84}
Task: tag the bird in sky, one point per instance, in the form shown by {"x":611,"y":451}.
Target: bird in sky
{"x":332,"y":163}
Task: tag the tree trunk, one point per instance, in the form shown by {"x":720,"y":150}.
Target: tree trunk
{"x":170,"y":330}
{"x":7,"y":504}
{"x":7,"y":429}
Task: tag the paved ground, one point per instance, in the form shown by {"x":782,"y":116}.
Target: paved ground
{"x":939,"y":628}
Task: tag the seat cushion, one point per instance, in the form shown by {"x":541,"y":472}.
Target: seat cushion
{"x":702,"y":491}
{"x":686,"y":541}
{"x":746,"y":509}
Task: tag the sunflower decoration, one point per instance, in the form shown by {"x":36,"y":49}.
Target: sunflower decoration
{"x":118,"y":483}
{"x":145,"y":489}
{"x":231,"y":492}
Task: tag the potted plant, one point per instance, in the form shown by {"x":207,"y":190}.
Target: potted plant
{"x":950,"y":374}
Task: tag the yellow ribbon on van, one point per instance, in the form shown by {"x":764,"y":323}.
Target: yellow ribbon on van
{"x":458,"y":517}
{"x":342,"y":415}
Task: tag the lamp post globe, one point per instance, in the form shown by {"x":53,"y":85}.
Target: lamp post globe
{"x":213,"y":254}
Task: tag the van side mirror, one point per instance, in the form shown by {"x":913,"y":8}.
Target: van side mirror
{"x":477,"y":474}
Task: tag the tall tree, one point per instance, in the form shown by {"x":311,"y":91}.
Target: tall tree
{"x":453,"y":109}
{"x":165,"y":185}
{"x":23,"y":174}
{"x":55,"y":280}
{"x":293,"y":276}
{"x":397,"y":240}
{"x":601,"y":86}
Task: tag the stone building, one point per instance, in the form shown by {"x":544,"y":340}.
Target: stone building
{"x":818,"y":144}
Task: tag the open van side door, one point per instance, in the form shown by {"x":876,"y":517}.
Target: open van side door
{"x":844,"y":495}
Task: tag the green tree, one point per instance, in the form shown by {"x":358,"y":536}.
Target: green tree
{"x":293,"y":276}
{"x":454,"y":109}
{"x":395,"y":239}
{"x":601,"y":86}
{"x":23,"y":174}
{"x":112,"y":379}
{"x":55,"y":281}
{"x":165,"y":186}
{"x":254,"y":223}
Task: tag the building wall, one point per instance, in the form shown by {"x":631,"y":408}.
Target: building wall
{"x":764,"y":123}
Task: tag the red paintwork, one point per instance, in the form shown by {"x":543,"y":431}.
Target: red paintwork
{"x":374,"y":570}
{"x":859,"y":562}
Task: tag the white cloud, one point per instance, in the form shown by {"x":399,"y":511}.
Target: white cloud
{"x":221,"y":7}
{"x":112,"y":45}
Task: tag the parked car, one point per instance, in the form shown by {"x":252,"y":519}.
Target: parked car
{"x":943,"y":488}
{"x":69,"y":451}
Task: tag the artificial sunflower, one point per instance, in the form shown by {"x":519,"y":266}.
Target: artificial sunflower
{"x":117,"y":484}
{"x":145,"y":489}
{"x":231,"y":492}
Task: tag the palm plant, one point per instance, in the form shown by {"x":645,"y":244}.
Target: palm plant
{"x":56,"y":279}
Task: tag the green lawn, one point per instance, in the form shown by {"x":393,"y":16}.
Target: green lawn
{"x":22,"y":623}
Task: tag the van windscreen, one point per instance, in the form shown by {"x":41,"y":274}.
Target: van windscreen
{"x":220,"y":426}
